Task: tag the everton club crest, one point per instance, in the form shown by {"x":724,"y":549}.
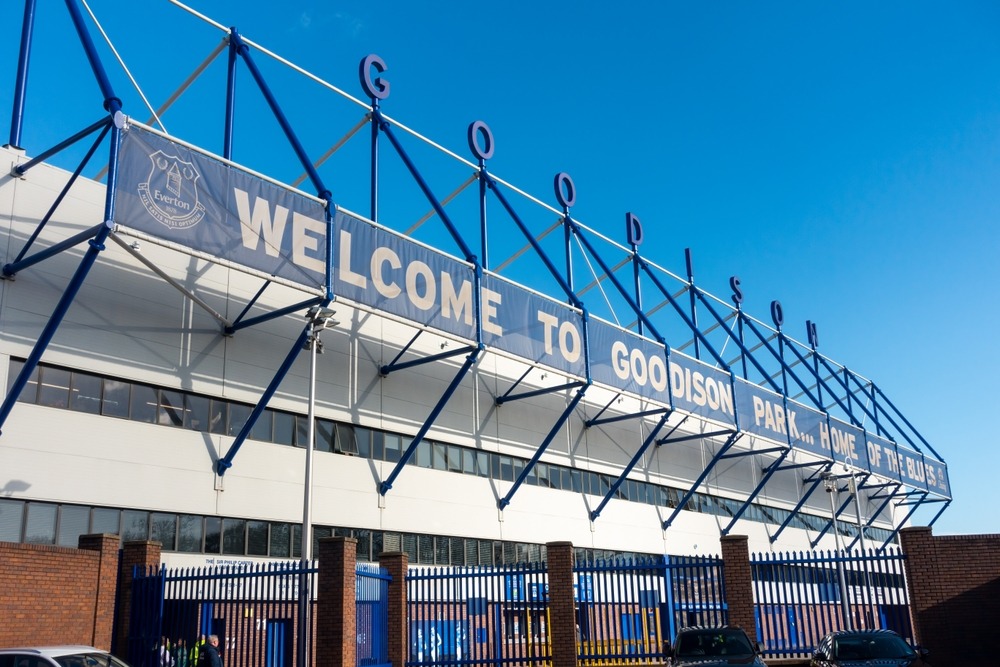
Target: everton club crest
{"x":170,"y":194}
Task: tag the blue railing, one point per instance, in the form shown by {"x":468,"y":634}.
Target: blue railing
{"x":478,"y":615}
{"x":372,"y":599}
{"x":800,"y":597}
{"x":252,"y":607}
{"x":627,"y":609}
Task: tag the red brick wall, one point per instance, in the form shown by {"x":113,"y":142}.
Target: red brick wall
{"x":954,"y":585}
{"x":739,"y":582}
{"x":58,"y":595}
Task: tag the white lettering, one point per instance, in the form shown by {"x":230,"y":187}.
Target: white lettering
{"x":415,"y":270}
{"x":344,"y":272}
{"x":459,"y":303}
{"x":379,"y":257}
{"x":491,"y":300}
{"x":303,"y":240}
{"x":258,"y":222}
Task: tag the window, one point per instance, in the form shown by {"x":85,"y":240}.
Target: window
{"x":135,"y":525}
{"x":170,"y":408}
{"x":213,"y":535}
{"x":196,"y":417}
{"x":40,"y":527}
{"x":11,"y":519}
{"x":74,"y":521}
{"x":280,"y":542}
{"x":53,"y":390}
{"x":257,"y":541}
{"x":104,"y":520}
{"x":284,"y":429}
{"x":234,"y":537}
{"x":189,"y":534}
{"x":116,"y":399}
{"x":164,"y":530}
{"x":85,"y":393}
{"x":143,"y":404}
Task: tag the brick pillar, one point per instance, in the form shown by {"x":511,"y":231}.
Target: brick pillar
{"x":922,"y":576}
{"x":396,"y":564}
{"x":145,"y":555}
{"x":562,"y":607}
{"x":336,"y":609}
{"x":107,"y":586}
{"x":739,"y":583}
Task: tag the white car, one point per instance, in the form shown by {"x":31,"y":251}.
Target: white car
{"x":58,"y":656}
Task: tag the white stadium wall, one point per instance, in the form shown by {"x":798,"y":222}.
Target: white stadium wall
{"x":128,"y":323}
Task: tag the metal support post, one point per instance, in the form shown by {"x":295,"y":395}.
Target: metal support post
{"x":830,"y":481}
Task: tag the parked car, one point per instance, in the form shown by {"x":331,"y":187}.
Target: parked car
{"x":58,"y":656}
{"x":847,"y":648}
{"x":713,"y":647}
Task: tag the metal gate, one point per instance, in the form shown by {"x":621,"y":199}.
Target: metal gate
{"x":800,"y":597}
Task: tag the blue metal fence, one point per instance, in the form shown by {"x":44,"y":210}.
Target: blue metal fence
{"x":252,"y":607}
{"x":628,"y":608}
{"x":800,"y":597}
{"x":478,"y":615}
{"x":372,"y":600}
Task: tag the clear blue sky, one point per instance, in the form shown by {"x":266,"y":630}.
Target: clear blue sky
{"x":843,"y":157}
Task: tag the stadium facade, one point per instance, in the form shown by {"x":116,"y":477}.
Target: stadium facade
{"x":161,"y":330}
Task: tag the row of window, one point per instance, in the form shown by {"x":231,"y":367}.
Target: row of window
{"x":49,"y":523}
{"x":85,"y":392}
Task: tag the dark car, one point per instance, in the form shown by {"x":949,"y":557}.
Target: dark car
{"x":713,"y":647}
{"x":854,"y":648}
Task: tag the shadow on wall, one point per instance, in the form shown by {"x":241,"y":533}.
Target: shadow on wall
{"x":959,"y":631}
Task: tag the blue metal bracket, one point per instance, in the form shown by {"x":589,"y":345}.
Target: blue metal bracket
{"x":419,"y":437}
{"x":830,"y":522}
{"x":650,"y":438}
{"x":885,"y":501}
{"x":21,"y":80}
{"x":597,"y":421}
{"x":503,"y":502}
{"x":103,"y":124}
{"x":280,"y":312}
{"x":730,"y":441}
{"x":384,"y":371}
{"x":508,"y":397}
{"x":87,"y":234}
{"x":754,"y":452}
{"x":226,"y":462}
{"x":696,"y":436}
{"x":923,"y":496}
{"x":768,"y":471}
{"x":814,"y":481}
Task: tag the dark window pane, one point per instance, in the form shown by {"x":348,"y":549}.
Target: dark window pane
{"x":54,"y":388}
{"x":238,"y":415}
{"x":284,"y":428}
{"x":143,"y":404}
{"x":482,"y":464}
{"x":364,"y":538}
{"x":116,"y":398}
{"x":326,"y":434}
{"x":40,"y":527}
{"x":422,"y":457}
{"x":439,"y":456}
{"x":392,"y":448}
{"x":73,"y":522}
{"x":468,"y":461}
{"x":378,"y":544}
{"x":257,"y":538}
{"x":485,"y":552}
{"x":213,"y":535}
{"x":234,"y":537}
{"x":378,"y":445}
{"x":189,"y":534}
{"x":441,"y":550}
{"x":219,"y":410}
{"x":506,"y":469}
{"x":297,"y":541}
{"x":135,"y":525}
{"x":364,"y":447}
{"x":164,"y":530}
{"x":104,"y":520}
{"x":410,"y":546}
{"x":457,"y":545}
{"x":196,"y":417}
{"x":425,"y":549}
{"x":349,"y":439}
{"x":281,"y":536}
{"x":345,"y":438}
{"x":170,"y":410}
{"x":85,"y":393}
{"x":30,"y":392}
{"x":454,"y":459}
{"x":262,"y":430}
{"x":11,"y":519}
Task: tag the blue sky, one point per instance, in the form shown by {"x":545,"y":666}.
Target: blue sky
{"x":843,"y":157}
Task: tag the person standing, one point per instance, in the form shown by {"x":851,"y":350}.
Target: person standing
{"x":211,"y":652}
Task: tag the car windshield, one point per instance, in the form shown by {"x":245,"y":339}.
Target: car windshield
{"x":713,"y":643}
{"x":871,"y":647}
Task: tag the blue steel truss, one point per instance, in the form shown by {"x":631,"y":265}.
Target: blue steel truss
{"x":778,"y":362}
